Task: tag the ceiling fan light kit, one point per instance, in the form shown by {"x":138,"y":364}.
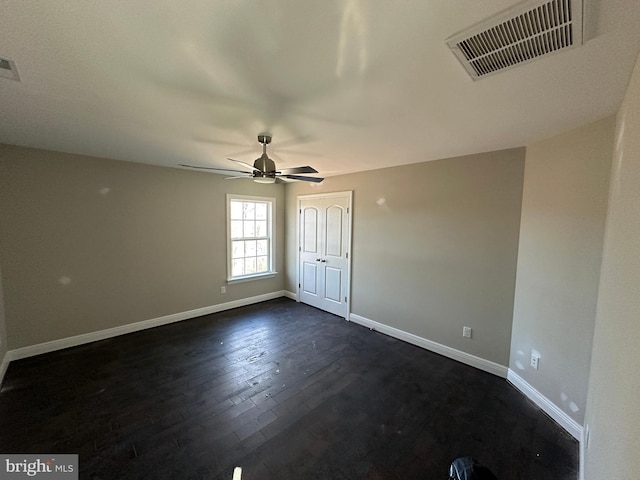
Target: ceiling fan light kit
{"x":264,"y":169}
{"x":264,"y":179}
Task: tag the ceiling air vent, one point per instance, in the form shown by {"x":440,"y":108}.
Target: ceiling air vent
{"x":8,"y":69}
{"x":523,"y":33}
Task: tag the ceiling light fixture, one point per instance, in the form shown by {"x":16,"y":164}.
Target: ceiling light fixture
{"x":264,"y":179}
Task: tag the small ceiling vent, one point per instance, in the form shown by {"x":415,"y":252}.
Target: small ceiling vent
{"x":521,"y":34}
{"x":8,"y":69}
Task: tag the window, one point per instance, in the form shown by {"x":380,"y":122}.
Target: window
{"x":250,"y":243}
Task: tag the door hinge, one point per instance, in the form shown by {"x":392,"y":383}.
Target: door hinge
{"x":300,"y":211}
{"x":299,"y":285}
{"x":347,"y":209}
{"x":347,"y":254}
{"x":345,"y":299}
{"x":299,"y":249}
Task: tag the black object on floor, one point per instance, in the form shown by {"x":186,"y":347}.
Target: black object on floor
{"x":284,"y":391}
{"x":467,"y":468}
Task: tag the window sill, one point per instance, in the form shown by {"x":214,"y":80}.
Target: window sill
{"x":249,"y":278}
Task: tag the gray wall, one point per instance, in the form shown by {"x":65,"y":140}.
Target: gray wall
{"x":613,"y":407}
{"x":434,"y":247}
{"x":3,"y":332}
{"x":87,"y":244}
{"x":564,"y":205}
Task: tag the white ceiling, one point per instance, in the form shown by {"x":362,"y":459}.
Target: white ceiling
{"x":343,"y":85}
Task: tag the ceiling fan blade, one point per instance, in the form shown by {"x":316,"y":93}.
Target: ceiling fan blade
{"x":218,"y":142}
{"x":304,"y":179}
{"x":296,"y":140}
{"x":294,"y":170}
{"x":212,"y":168}
{"x":244,"y":163}
{"x":301,"y":153}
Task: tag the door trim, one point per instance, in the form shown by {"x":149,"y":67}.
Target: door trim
{"x":349,"y":195}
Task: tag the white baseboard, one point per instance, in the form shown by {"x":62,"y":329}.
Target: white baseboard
{"x":570,"y":425}
{"x":550,"y":408}
{"x":291,"y":295}
{"x":583,"y":447}
{"x":564,"y":420}
{"x":54,"y":345}
{"x":4,"y":364}
{"x":463,"y":357}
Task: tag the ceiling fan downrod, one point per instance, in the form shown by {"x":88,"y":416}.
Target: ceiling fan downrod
{"x":265,"y":167}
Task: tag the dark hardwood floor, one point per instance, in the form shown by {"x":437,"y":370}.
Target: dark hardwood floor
{"x":281,"y":389}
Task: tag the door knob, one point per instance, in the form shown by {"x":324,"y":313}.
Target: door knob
{"x":317,"y":259}
{"x":323,"y":260}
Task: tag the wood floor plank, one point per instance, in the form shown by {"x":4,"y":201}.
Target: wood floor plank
{"x":283,"y":390}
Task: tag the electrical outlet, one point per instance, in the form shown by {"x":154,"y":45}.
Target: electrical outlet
{"x":535,"y":360}
{"x":223,"y":289}
{"x":466,"y":332}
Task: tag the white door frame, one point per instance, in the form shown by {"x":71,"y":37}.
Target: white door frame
{"x":349,"y":194}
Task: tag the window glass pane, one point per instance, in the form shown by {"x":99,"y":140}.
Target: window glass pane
{"x":262,"y":264}
{"x":261,"y":211}
{"x":237,"y":267}
{"x":249,"y":229}
{"x":262,"y":247}
{"x":249,"y":210}
{"x":236,"y":228}
{"x":261,"y":228}
{"x":250,"y":265}
{"x":236,"y":210}
{"x":237,"y":249}
{"x":249,"y":226}
{"x":250,"y":248}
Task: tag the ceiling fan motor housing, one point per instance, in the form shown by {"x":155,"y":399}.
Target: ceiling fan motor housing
{"x":266,"y":166}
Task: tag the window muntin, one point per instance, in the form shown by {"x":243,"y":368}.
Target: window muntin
{"x":250,"y":225}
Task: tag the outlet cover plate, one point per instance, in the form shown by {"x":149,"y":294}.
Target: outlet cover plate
{"x":535,"y":361}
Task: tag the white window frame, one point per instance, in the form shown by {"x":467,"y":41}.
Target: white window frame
{"x":271,"y":235}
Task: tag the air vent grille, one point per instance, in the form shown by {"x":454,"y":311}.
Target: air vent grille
{"x":521,"y":34}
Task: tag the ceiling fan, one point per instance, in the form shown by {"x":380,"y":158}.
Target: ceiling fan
{"x":264,"y":170}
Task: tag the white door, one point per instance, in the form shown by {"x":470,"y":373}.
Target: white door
{"x":324,"y":233}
